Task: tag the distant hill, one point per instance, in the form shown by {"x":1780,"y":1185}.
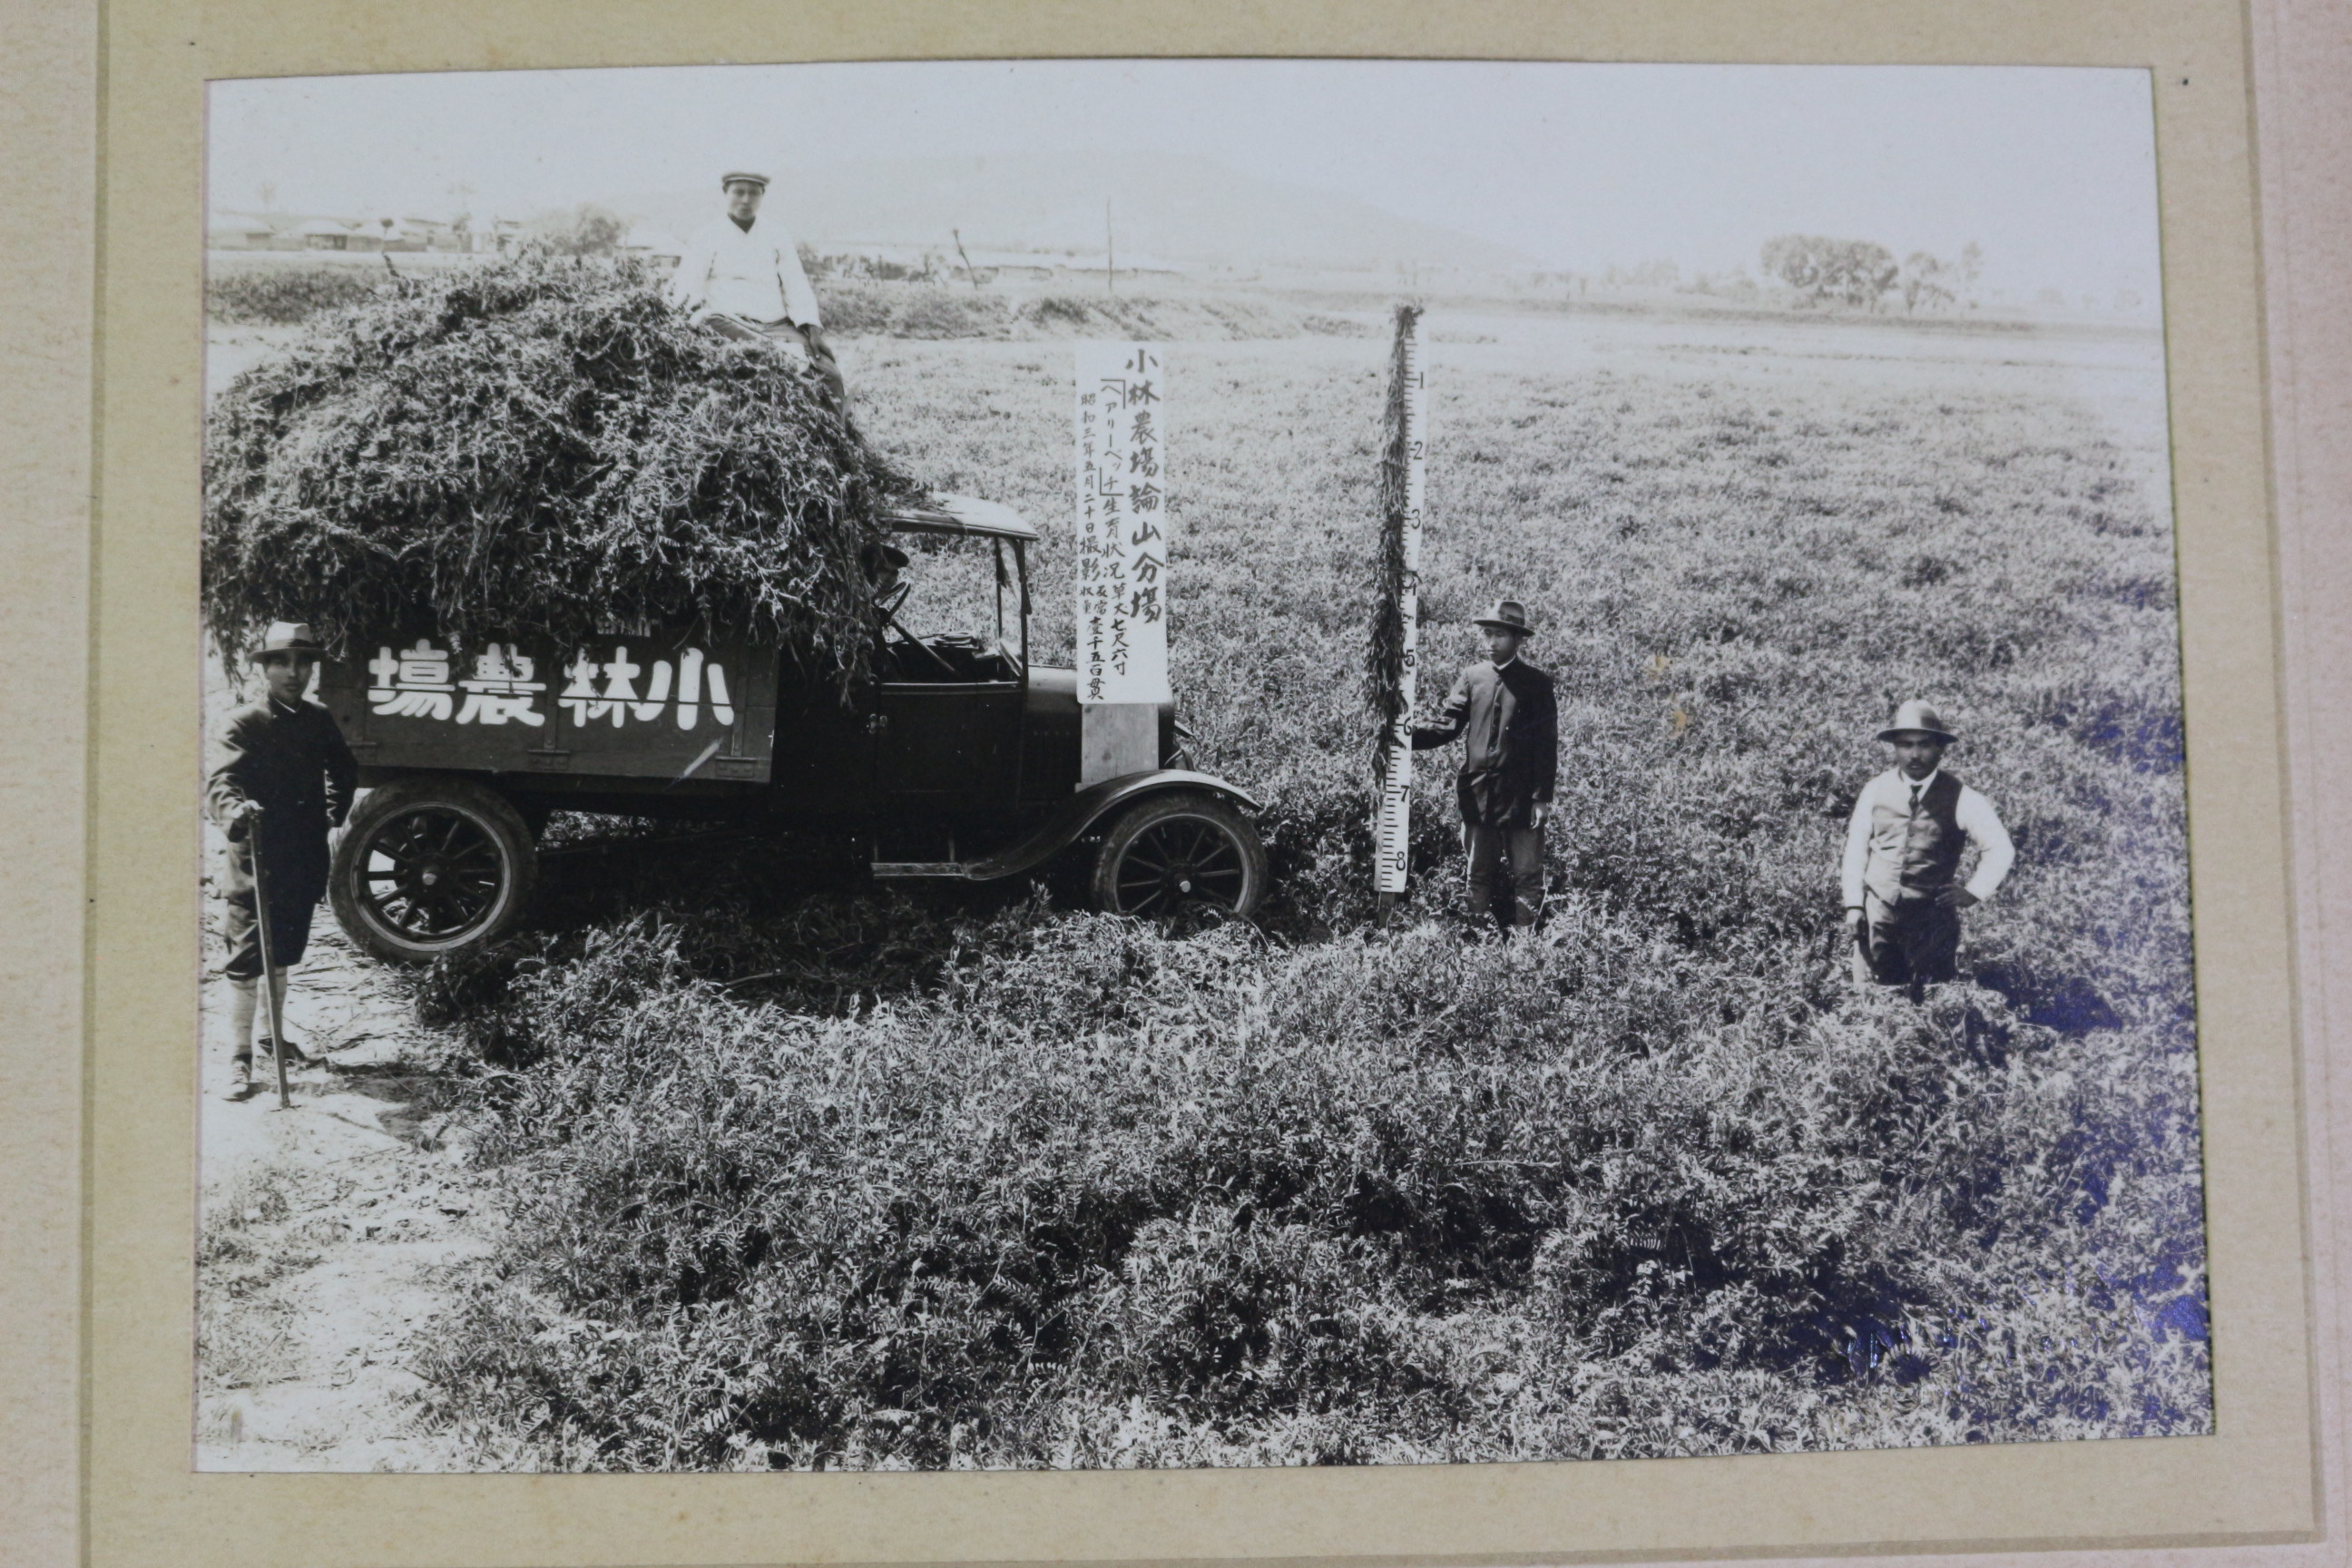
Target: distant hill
{"x":1179,"y":208}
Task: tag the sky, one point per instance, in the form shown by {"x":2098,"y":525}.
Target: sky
{"x":2051,"y":170}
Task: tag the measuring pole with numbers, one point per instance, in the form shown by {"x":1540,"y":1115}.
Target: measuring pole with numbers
{"x":1403,"y":471}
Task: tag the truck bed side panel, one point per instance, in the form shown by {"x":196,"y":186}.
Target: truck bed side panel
{"x":659,"y":704}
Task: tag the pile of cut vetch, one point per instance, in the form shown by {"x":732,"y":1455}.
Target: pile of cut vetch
{"x":539,"y":446}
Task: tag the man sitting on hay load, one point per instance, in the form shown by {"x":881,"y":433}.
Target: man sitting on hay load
{"x":743,"y":276}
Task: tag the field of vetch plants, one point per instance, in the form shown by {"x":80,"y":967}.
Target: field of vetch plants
{"x":805,"y":1175}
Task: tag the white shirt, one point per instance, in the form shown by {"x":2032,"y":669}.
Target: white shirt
{"x":752,"y":273}
{"x":1975,"y":815}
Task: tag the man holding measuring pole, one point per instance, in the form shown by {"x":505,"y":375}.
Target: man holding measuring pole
{"x":284,"y":780}
{"x":1506,"y":714}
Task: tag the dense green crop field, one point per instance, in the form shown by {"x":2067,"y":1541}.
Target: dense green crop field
{"x":974,"y":1179}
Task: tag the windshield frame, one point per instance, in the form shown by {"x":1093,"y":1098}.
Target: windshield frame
{"x":1014,"y":649}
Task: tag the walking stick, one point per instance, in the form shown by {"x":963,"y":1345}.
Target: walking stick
{"x":269,"y":968}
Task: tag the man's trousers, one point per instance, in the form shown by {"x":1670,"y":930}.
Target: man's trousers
{"x":298,"y":880}
{"x":1912,"y":938}
{"x":1489,"y":847}
{"x":788,"y":340}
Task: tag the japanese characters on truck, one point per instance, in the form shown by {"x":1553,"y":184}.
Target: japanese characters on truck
{"x":640,"y":703}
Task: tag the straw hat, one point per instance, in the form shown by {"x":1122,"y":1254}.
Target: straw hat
{"x":1916,"y":718}
{"x":1508,"y":614}
{"x":289,"y":636}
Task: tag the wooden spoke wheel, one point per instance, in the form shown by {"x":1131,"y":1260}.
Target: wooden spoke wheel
{"x":432,"y":866}
{"x":1181,"y":859}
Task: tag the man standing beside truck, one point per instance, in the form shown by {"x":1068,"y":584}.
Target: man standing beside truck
{"x":741,"y":275}
{"x":284,"y":780}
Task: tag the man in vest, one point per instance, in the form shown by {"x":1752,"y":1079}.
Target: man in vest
{"x":1505,"y":716}
{"x":741,"y":275}
{"x":1901,"y":872}
{"x":285,"y":779}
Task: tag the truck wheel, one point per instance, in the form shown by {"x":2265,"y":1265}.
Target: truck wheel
{"x":432,"y":866}
{"x":1180,"y":857}
{"x":535,"y":816}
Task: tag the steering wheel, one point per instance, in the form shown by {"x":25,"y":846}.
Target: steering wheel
{"x":891,"y":623}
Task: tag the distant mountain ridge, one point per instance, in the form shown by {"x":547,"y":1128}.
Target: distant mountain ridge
{"x":1182,"y":209}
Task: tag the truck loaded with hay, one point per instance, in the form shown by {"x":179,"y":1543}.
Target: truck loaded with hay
{"x":571,"y":553}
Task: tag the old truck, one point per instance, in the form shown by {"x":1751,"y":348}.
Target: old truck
{"x":958,"y":759}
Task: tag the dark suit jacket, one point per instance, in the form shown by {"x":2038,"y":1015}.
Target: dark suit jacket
{"x":292,"y":762}
{"x":1508,"y":722}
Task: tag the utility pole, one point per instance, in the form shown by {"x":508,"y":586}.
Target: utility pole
{"x":968,"y":272}
{"x":461,"y":227}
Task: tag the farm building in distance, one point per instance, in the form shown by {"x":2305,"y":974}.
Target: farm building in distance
{"x":858,"y":259}
{"x":658,"y":246}
{"x":317,"y":232}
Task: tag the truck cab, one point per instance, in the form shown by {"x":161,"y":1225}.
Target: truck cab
{"x":956,"y":725}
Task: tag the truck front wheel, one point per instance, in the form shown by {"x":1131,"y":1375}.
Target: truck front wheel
{"x":432,"y":866}
{"x":1180,"y":857}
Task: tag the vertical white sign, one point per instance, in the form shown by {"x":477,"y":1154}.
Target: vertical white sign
{"x":1391,"y":826}
{"x":1122,"y":524}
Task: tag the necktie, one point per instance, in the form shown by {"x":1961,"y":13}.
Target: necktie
{"x":1916,"y":791}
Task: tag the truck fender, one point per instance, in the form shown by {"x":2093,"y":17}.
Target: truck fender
{"x":1091,"y":805}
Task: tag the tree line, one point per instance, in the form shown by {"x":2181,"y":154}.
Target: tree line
{"x":1862,"y":274}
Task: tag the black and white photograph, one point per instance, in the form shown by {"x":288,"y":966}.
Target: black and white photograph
{"x":1101,"y":763}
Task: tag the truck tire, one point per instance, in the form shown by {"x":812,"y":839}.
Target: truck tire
{"x":1180,"y":858}
{"x":432,"y":866}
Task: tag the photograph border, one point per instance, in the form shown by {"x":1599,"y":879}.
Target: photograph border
{"x":2253,"y":1481}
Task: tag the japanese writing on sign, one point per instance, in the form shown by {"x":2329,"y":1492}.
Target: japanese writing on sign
{"x":1122,"y":523}
{"x":503,"y":687}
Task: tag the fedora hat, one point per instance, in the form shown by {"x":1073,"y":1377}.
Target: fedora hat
{"x":732,"y":175}
{"x":289,"y":636}
{"x":1916,"y":718}
{"x":1508,"y":614}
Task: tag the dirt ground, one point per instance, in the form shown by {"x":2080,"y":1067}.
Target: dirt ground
{"x":334,"y":1235}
